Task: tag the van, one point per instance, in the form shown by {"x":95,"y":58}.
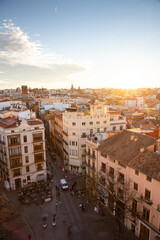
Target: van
{"x":63,"y":184}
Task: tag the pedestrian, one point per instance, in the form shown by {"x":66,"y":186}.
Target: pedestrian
{"x":60,"y":204}
{"x":56,"y":204}
{"x":69,"y":232}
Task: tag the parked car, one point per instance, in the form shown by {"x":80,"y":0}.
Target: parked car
{"x":63,"y":184}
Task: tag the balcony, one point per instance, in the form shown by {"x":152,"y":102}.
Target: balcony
{"x":16,"y":165}
{"x":16,"y":172}
{"x":148,"y":201}
{"x":83,"y":154}
{"x":88,"y":153}
{"x":15,"y":155}
{"x":83,"y":145}
{"x":84,"y":135}
{"x":93,"y":156}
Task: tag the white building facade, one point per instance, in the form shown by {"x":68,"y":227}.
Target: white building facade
{"x":22,"y":151}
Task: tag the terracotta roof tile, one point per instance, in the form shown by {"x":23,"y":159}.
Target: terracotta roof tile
{"x":148,"y":163}
{"x":125,"y":146}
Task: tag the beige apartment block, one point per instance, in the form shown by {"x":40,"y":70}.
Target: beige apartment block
{"x":129,"y":181}
{"x":22,"y":151}
{"x":76,"y":127}
{"x":92,"y":142}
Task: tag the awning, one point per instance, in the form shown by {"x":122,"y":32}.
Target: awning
{"x":41,"y":177}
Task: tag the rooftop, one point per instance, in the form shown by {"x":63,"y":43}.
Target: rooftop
{"x":125,"y":146}
{"x":148,"y":163}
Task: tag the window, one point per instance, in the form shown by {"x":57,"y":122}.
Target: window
{"x":136,"y":172}
{"x":135,"y":186}
{"x":74,"y":152}
{"x":13,"y":140}
{"x":111,"y":187}
{"x":121,"y":127}
{"x":28,"y":178}
{"x":91,"y":132}
{"x":149,"y":179}
{"x":146,"y":213}
{"x":83,"y":123}
{"x":105,"y":129}
{"x":102,"y":181}
{"x":121,"y":178}
{"x":27,"y":168}
{"x":134,"y":205}
{"x":25,"y":138}
{"x":120,"y":193}
{"x":133,"y":227}
{"x":26,"y":149}
{"x":105,"y":121}
{"x":73,"y":123}
{"x":98,"y":129}
{"x":98,"y":122}
{"x":111,"y":172}
{"x":26,"y":159}
{"x":103,"y":167}
{"x":114,"y":128}
{"x":147,"y":195}
{"x":111,"y":119}
{"x":39,"y":157}
{"x":91,"y":123}
{"x":37,"y":137}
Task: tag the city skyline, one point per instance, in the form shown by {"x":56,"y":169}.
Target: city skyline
{"x":92,"y":44}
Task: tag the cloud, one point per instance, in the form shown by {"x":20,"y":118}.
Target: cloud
{"x":24,"y":60}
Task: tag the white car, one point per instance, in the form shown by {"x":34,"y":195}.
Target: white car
{"x":63,"y":184}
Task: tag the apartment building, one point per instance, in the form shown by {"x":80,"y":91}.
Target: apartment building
{"x":129,"y":181}
{"x":22,"y":151}
{"x":76,"y":127}
{"x":92,"y":143}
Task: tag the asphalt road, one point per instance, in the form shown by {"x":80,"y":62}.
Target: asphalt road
{"x":67,"y":213}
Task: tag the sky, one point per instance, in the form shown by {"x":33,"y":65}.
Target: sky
{"x":87,"y":43}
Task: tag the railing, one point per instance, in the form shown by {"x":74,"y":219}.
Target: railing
{"x":149,"y":202}
{"x":15,"y":155}
{"x":83,"y":154}
{"x":17,"y":173}
{"x":39,"y":160}
{"x":16,"y":165}
{"x":83,"y":145}
{"x":84,"y":135}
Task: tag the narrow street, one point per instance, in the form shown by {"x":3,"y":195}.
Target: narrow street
{"x":86,"y":225}
{"x":67,"y":213}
